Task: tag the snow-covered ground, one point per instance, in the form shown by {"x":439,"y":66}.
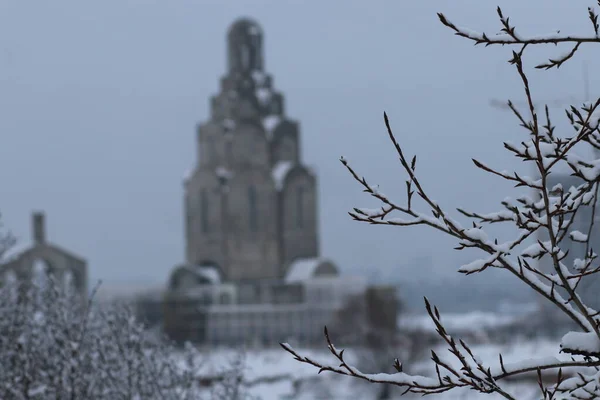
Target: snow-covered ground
{"x":470,"y":321}
{"x":273,"y":374}
{"x":278,"y":371}
{"x":461,"y":321}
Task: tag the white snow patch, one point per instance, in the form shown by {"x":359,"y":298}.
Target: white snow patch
{"x":273,"y":363}
{"x":371,"y":212}
{"x":476,"y":234}
{"x":586,"y":342}
{"x":223,"y":172}
{"x":595,"y":118}
{"x":271,"y":122}
{"x":188,"y":175}
{"x":263,"y":95}
{"x":36,"y":390}
{"x":577,"y":236}
{"x":477,"y":265}
{"x":303,"y":269}
{"x":15,"y":251}
{"x":534,"y":250}
{"x":461,"y":322}
{"x":558,"y":188}
{"x":229,"y":124}
{"x":280,"y":171}
{"x":259,"y":77}
{"x":205,"y":271}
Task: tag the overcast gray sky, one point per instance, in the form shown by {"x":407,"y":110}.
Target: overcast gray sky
{"x":98,"y":103}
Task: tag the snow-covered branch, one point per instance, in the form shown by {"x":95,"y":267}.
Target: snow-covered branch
{"x":552,"y":220}
{"x":508,"y":35}
{"x":471,"y":373}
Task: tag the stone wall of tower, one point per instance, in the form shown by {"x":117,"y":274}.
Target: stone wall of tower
{"x":225,"y":227}
{"x":285,"y":143}
{"x":299,"y":218}
{"x":204,"y":233}
{"x":253,"y":240}
{"x":242,"y":216}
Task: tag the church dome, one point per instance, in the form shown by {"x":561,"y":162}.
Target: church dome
{"x":189,"y":276}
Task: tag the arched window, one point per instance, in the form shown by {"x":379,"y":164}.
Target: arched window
{"x":300,"y":207}
{"x":204,"y":210}
{"x":252,"y":209}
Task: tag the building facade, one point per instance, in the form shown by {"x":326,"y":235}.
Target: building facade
{"x":40,"y":259}
{"x":253,"y":272}
{"x":250,"y":202}
{"x":261,"y":313}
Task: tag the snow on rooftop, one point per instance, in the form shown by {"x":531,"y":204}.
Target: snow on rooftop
{"x":223,"y":172}
{"x":270,"y":122}
{"x":259,"y":77}
{"x":263,"y":95}
{"x":15,"y":251}
{"x":228,"y":124}
{"x":188,"y":174}
{"x":207,"y":272}
{"x":280,"y":171}
{"x":303,"y":269}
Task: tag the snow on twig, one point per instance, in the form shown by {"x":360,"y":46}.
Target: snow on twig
{"x":546,"y":219}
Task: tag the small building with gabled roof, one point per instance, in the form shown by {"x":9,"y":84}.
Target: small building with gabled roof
{"x":41,"y":259}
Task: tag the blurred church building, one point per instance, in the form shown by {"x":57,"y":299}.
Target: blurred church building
{"x":253,"y":269}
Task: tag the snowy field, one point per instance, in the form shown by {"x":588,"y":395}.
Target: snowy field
{"x":272,"y":374}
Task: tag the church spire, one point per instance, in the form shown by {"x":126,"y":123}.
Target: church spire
{"x":246,"y":89}
{"x":244,"y":42}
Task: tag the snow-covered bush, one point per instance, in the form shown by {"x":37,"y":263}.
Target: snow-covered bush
{"x":53,"y":345}
{"x":537,"y":256}
{"x":56,"y":345}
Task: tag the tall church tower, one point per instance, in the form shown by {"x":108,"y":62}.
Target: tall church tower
{"x":250,"y":204}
